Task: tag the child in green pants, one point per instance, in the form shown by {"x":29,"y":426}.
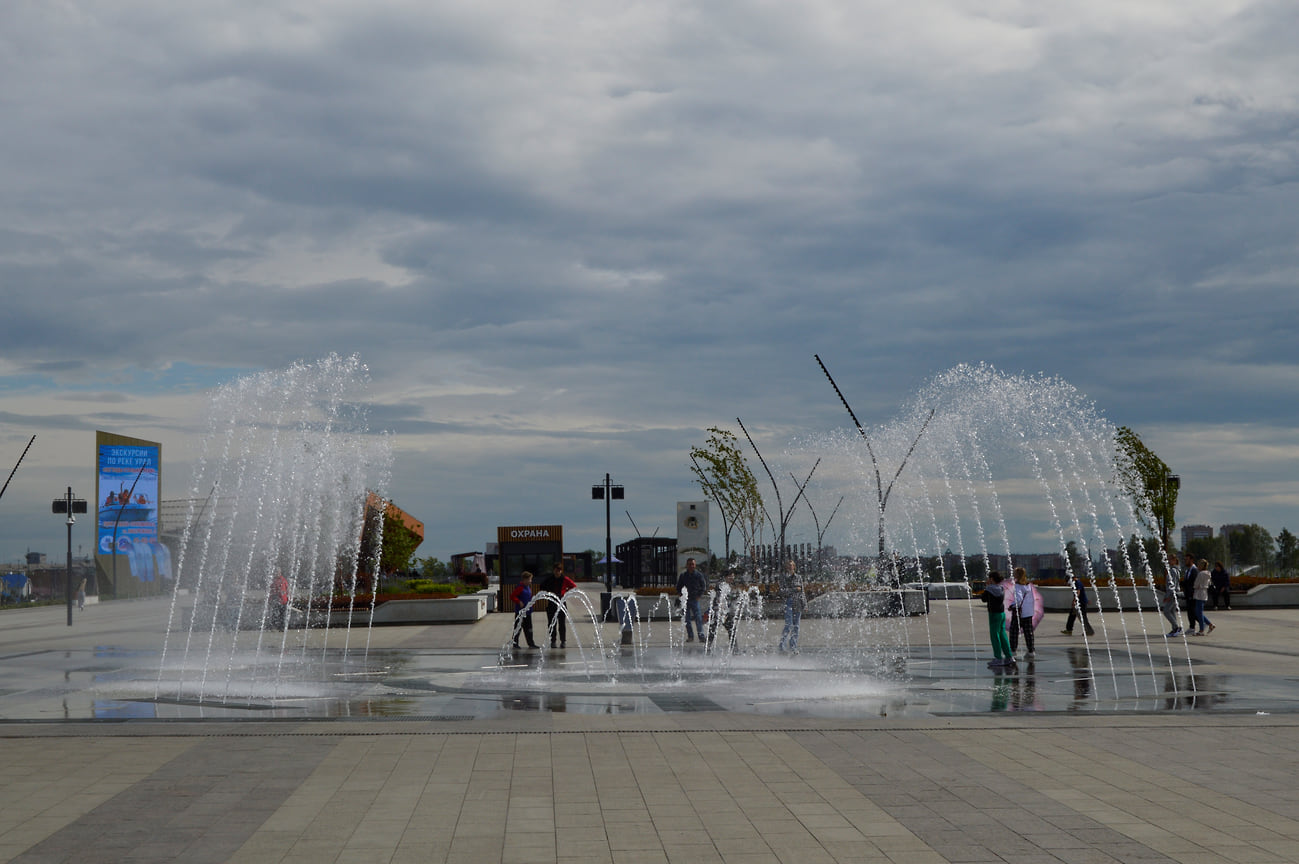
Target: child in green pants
{"x":995,"y":596}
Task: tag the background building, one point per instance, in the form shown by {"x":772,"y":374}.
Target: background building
{"x":692,"y":533}
{"x":1196,"y":532}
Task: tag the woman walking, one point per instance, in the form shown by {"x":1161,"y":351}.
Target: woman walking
{"x":1201,"y":597}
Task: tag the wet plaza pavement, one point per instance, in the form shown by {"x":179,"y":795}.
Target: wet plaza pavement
{"x":422,"y":745}
{"x":108,"y":666}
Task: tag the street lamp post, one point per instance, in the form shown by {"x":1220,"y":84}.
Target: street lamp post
{"x":607,"y":492}
{"x":71,"y":506}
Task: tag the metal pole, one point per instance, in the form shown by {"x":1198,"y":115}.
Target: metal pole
{"x":71,"y":522}
{"x":608,"y":537}
{"x":16,"y":464}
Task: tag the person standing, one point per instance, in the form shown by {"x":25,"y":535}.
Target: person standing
{"x":994,"y":595}
{"x":1168,"y":600}
{"x":1023,"y":609}
{"x":1079,"y":609}
{"x":695,"y":584}
{"x":81,"y":596}
{"x":1220,"y":586}
{"x":1189,"y":575}
{"x":721,"y":610}
{"x":522,"y":597}
{"x":279,"y":599}
{"x":791,"y":588}
{"x":559,"y":584}
{"x":1201,"y":594}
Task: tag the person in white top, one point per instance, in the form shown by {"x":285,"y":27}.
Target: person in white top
{"x":1021,"y":617}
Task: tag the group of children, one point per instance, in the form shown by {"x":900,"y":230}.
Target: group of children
{"x":558,"y":584}
{"x":1021,"y":604}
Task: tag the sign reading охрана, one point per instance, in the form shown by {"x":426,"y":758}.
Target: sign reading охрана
{"x":529,"y":533}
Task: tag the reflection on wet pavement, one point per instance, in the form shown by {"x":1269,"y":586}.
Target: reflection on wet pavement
{"x":110,"y":684}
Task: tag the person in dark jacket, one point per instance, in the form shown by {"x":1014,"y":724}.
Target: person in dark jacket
{"x":994,"y":595}
{"x":1079,"y":608}
{"x":559,"y":584}
{"x":522,"y":597}
{"x":1189,"y":574}
{"x":695,"y":584}
{"x":1220,"y":586}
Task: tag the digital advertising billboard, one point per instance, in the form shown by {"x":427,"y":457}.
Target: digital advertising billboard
{"x":127,"y":492}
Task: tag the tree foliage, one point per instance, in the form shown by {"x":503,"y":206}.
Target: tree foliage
{"x":1252,"y":545}
{"x":399,"y":544}
{"x":1146,"y":479}
{"x":432,"y":568}
{"x":1209,"y":548}
{"x":724,"y":476}
{"x":1287,"y":552}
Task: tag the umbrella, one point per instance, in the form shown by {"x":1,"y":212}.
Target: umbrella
{"x":1038,"y":609}
{"x":615,"y":560}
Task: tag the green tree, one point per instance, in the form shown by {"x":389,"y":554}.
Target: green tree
{"x":1287,"y":551}
{"x":432,"y":568}
{"x":1077,"y":561}
{"x":1251,"y":546}
{"x":1147,"y":480}
{"x":1209,"y":548}
{"x":723,"y":474}
{"x":399,"y":544}
{"x":1150,"y":547}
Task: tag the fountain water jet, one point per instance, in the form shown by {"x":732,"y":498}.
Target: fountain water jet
{"x":290,"y":463}
{"x":1001,"y":464}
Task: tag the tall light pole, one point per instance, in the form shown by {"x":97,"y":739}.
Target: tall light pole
{"x":607,"y":492}
{"x":70,"y":506}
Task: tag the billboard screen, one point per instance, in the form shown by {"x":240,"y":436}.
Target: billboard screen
{"x":127,"y":494}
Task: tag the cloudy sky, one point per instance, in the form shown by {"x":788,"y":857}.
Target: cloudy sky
{"x":568,"y":237}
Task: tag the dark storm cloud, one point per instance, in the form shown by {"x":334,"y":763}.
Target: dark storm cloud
{"x":622,"y":225}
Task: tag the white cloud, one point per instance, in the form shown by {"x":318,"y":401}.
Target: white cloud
{"x":621,"y":224}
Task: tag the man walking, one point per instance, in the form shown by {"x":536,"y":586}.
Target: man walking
{"x":791,"y":588}
{"x":695,"y":584}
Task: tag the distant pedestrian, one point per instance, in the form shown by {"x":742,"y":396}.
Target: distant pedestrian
{"x":1220,"y":586}
{"x":81,"y":596}
{"x":1168,"y":598}
{"x":695,"y":585}
{"x":1023,"y":609}
{"x":1189,"y":574}
{"x":559,"y":584}
{"x":994,"y":595}
{"x":1201,"y":595}
{"x":279,"y":601}
{"x":791,"y":588}
{"x":1079,"y":609}
{"x":522,"y":597}
{"x":722,"y":610}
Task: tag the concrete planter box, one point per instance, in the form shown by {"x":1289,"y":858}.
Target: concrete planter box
{"x":1059,"y":598}
{"x":864,"y":604}
{"x":465,"y":609}
{"x":1278,"y":596}
{"x":833,"y":604}
{"x":943,"y":590}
